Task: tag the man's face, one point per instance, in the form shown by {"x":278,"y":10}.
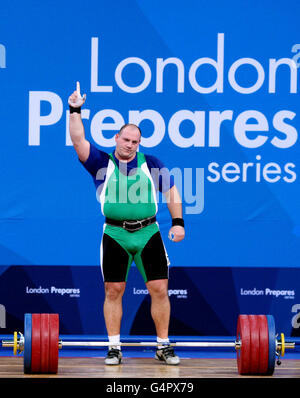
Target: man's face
{"x":127,"y":143}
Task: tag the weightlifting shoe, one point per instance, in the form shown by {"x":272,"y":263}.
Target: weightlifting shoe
{"x":114,"y":357}
{"x":167,"y":355}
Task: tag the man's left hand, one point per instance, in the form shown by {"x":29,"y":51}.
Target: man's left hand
{"x":176,"y":233}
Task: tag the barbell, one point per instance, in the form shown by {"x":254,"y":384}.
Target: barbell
{"x":257,"y":345}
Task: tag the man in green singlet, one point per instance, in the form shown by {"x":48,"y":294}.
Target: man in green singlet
{"x":126,"y":188}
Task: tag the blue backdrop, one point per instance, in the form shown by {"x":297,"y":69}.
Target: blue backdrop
{"x":214,"y":88}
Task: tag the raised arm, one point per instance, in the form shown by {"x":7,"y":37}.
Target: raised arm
{"x":77,"y":134}
{"x":174,"y":204}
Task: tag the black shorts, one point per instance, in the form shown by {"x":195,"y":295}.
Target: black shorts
{"x":119,"y":248}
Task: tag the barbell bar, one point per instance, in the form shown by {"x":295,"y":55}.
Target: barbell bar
{"x":256,"y":344}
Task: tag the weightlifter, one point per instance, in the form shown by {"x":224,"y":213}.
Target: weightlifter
{"x":127,"y":187}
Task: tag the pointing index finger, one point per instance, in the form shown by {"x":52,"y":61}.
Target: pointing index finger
{"x":78,"y":88}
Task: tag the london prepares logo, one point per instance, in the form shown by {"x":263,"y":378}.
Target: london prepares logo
{"x":287,"y":294}
{"x":71,"y":292}
{"x":179,"y":293}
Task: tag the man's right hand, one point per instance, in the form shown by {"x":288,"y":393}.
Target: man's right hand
{"x":76,"y":100}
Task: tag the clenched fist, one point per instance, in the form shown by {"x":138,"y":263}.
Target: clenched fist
{"x":176,"y":233}
{"x":76,"y":100}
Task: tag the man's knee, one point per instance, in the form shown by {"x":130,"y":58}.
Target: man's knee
{"x":114,"y":290}
{"x":158,"y":288}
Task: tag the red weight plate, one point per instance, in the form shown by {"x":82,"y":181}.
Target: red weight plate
{"x":243,"y":353}
{"x":54,"y":336}
{"x":45,"y":343}
{"x":254,"y":347}
{"x":263,"y":344}
{"x":36,"y":343}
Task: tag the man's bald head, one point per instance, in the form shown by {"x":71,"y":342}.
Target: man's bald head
{"x":130,"y":126}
